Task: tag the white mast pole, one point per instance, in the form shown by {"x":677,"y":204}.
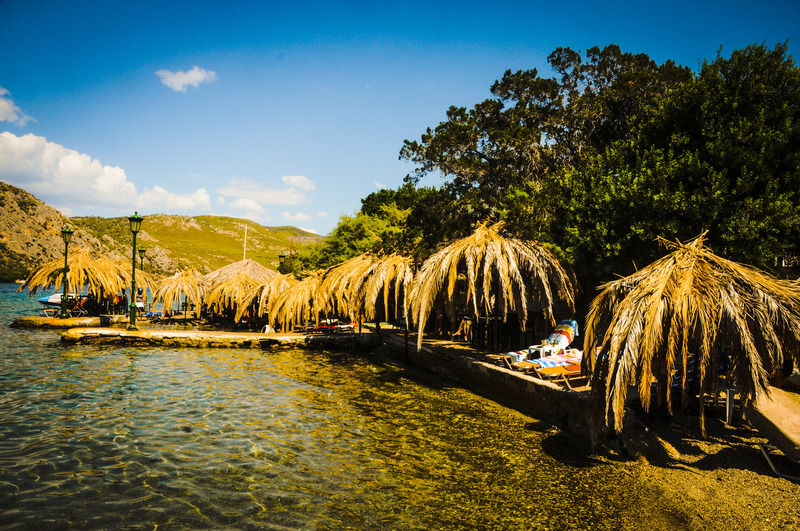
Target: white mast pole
{"x":244,"y":255}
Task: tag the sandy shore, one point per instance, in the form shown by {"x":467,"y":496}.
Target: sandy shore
{"x":721,"y":481}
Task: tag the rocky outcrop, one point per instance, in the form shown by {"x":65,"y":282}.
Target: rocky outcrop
{"x":30,"y":233}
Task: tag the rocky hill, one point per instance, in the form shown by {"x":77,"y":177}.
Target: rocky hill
{"x":30,"y":234}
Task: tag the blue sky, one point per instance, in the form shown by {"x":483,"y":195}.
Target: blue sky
{"x":289,"y":113}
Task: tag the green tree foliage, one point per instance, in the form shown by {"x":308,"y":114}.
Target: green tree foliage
{"x":352,"y":236}
{"x":418,"y":218}
{"x":602,"y":158}
{"x":720,"y":153}
{"x":408,"y":221}
{"x":501,"y":158}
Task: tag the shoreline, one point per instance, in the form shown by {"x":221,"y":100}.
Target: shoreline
{"x":718,"y":482}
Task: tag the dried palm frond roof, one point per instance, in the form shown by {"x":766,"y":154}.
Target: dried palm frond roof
{"x":689,"y":304}
{"x":242,"y":268}
{"x":297,"y":304}
{"x":489,"y":260}
{"x":232,"y":292}
{"x":95,"y":274}
{"x":265,"y":292}
{"x":335,"y":293}
{"x":390,"y":275}
{"x":229,"y":285}
{"x":186,"y":283}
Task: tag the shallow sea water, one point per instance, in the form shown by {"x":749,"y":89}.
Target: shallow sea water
{"x":146,"y":438}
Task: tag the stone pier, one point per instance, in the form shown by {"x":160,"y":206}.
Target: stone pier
{"x":218,"y":339}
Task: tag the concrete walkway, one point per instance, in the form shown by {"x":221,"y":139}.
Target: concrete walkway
{"x":777,"y":417}
{"x":216,"y":339}
{"x":40,"y":321}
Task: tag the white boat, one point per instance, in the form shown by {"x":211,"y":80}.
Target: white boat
{"x":53,"y":301}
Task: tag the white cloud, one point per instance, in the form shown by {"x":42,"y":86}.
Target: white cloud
{"x":247,"y":205}
{"x":379,"y":186}
{"x":220,"y":200}
{"x":9,"y":112}
{"x":244,"y":188}
{"x":322,"y":214}
{"x":75,"y":182}
{"x":300,"y":182}
{"x":248,"y":197}
{"x":179,"y":81}
{"x":300,"y":216}
{"x":169,"y":202}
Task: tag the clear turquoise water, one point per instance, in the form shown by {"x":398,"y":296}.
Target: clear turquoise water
{"x":146,"y":438}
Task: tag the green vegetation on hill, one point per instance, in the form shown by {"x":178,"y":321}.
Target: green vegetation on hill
{"x":203,"y":242}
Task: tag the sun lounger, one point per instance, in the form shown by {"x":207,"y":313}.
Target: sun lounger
{"x":565,"y":374}
{"x":507,"y":359}
{"x":79,"y":308}
{"x":561,"y":368}
{"x":331,"y":329}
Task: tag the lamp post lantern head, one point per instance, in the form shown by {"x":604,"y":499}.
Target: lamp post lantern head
{"x":66,"y":234}
{"x":136,"y":222}
{"x":142,"y":250}
{"x":282,"y":258}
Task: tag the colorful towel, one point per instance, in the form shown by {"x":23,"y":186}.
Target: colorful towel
{"x":573,"y":357}
{"x":549,"y":362}
{"x":564,"y":334}
{"x":520,"y":355}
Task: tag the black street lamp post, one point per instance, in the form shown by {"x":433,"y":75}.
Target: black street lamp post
{"x":142,"y":250}
{"x":66,"y":235}
{"x":136,"y":224}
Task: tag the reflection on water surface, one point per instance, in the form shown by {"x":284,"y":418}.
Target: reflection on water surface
{"x":142,"y":437}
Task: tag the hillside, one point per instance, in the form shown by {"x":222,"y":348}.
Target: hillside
{"x":30,"y":234}
{"x":203,"y":242}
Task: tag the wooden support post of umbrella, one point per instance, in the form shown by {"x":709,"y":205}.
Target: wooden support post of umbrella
{"x":501,"y":274}
{"x":688,"y":306}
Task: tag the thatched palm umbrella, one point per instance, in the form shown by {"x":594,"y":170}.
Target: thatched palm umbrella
{"x":297,"y":304}
{"x":493,"y":265}
{"x":229,"y":285}
{"x":186,"y":283}
{"x":335,"y":293}
{"x":144,"y":279}
{"x":246,"y":267}
{"x":97,"y":275}
{"x":264,"y":293}
{"x":391,"y":275}
{"x":690,"y":305}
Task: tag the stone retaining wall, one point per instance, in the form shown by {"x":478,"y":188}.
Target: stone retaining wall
{"x":527,"y":394}
{"x":215,"y":339}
